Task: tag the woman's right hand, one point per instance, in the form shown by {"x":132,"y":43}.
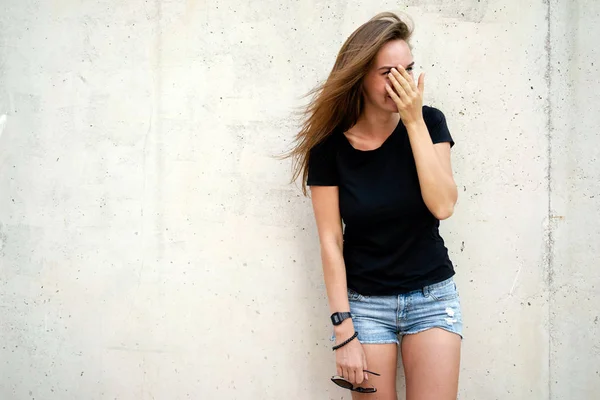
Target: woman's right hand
{"x":351,"y":360}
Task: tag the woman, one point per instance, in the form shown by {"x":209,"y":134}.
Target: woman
{"x":378,"y":160}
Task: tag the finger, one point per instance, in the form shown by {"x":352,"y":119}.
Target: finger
{"x":365,"y":367}
{"x":402,"y":81}
{"x":359,"y":374}
{"x":346,"y":373}
{"x":406,"y":80}
{"x":398,"y":87}
{"x":393,"y":95}
{"x":339,"y":371}
{"x":408,"y":77}
{"x":421,"y":82}
{"x":352,"y":375}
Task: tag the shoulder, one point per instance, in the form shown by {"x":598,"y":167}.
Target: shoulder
{"x":437,"y":126}
{"x":328,"y":145}
{"x":432,"y":116}
{"x":322,"y":159}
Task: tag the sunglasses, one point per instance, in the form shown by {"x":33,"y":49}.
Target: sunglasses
{"x":344,"y":383}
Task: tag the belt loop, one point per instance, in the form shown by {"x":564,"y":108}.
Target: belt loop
{"x":425,"y":291}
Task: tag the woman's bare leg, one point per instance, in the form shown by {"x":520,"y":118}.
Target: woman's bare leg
{"x":431,"y":362}
{"x":383,"y":359}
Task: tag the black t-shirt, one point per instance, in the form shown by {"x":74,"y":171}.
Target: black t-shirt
{"x":392,"y":243}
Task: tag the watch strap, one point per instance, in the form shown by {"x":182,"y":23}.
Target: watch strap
{"x":339,"y":317}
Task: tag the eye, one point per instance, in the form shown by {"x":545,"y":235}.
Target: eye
{"x":387,"y":72}
{"x":409,"y":69}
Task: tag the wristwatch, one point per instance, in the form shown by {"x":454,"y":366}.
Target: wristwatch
{"x":339,"y":317}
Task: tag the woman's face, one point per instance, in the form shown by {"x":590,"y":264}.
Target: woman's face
{"x":392,"y":54}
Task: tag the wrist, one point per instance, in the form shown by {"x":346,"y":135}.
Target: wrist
{"x":414,"y":124}
{"x":345,"y":342}
{"x":344,"y":330}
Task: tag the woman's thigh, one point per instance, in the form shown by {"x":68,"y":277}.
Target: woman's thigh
{"x":431,"y":361}
{"x":431,"y":340}
{"x":382,"y":359}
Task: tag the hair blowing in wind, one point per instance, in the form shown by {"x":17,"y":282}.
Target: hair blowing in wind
{"x":338,"y":102}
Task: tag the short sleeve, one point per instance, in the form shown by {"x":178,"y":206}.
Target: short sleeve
{"x":322,"y":166}
{"x":436,"y":124}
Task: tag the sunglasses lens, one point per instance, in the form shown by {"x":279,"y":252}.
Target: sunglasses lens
{"x":342,"y":383}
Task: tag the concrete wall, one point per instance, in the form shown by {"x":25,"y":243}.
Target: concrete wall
{"x":151,"y":248}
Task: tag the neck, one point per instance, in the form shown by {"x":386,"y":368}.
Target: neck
{"x":376,"y":122}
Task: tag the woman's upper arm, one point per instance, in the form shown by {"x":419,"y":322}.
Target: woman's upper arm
{"x":325,"y":201}
{"x":442,"y":151}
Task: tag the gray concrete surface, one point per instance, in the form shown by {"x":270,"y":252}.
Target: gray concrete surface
{"x":573,"y":112}
{"x":151,"y":248}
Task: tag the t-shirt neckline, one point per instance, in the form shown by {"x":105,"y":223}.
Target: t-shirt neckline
{"x":377,"y":148}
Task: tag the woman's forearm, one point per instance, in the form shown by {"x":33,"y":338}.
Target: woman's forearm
{"x":334,"y":273}
{"x":437,"y":185}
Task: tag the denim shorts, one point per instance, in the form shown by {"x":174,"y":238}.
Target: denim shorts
{"x":382,"y":319}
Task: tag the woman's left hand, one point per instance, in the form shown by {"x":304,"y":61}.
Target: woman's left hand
{"x":407,"y":96}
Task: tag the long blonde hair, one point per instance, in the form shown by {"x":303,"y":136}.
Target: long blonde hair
{"x":338,"y":102}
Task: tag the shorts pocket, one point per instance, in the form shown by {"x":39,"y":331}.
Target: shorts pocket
{"x":443,"y":293}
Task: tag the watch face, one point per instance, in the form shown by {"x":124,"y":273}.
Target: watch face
{"x":337,"y":318}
